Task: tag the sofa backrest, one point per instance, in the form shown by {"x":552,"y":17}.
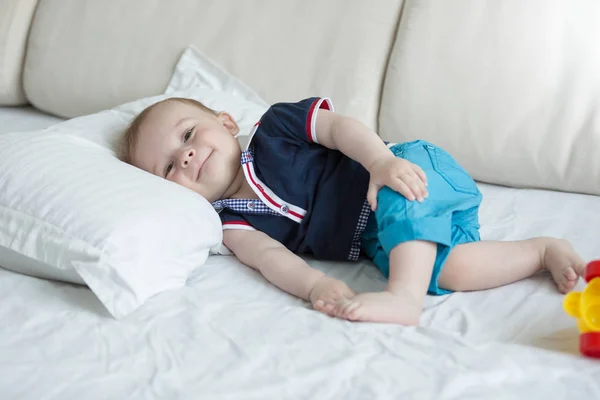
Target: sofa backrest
{"x":84,"y":56}
{"x":15,"y":20}
{"x":511,"y":88}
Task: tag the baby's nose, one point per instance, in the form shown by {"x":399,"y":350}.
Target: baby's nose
{"x":188,"y":154}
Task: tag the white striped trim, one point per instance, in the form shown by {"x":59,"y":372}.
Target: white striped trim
{"x":268,"y":197}
{"x":238,"y":225}
{"x":251,"y":135}
{"x":312,"y":133}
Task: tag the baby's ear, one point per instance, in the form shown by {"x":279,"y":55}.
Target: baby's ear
{"x":229,"y":123}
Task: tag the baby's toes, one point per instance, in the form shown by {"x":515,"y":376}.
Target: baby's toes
{"x":354,"y":313}
{"x":350,"y":310}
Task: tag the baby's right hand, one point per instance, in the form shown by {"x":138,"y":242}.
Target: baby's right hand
{"x":327,"y":292}
{"x":401,"y":175}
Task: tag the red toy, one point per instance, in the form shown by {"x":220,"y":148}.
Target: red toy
{"x":585,"y":306}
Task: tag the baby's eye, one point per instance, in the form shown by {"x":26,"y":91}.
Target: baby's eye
{"x":168,"y":169}
{"x":187,"y":135}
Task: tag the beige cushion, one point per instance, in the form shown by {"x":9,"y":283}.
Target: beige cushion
{"x":15,"y":19}
{"x":511,"y":88}
{"x":86,"y":56}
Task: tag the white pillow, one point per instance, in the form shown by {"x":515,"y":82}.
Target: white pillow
{"x":69,"y":210}
{"x":195,"y":69}
{"x":69,"y":204}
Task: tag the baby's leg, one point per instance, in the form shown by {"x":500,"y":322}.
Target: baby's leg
{"x":411,"y":265}
{"x":484,"y":265}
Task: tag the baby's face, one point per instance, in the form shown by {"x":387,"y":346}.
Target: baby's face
{"x":189,"y":146}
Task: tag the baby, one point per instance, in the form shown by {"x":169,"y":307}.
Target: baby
{"x":315,"y":182}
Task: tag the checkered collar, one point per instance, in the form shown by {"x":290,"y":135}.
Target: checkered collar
{"x":244,"y":206}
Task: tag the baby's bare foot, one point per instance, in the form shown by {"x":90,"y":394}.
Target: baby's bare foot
{"x":401,"y":308}
{"x":327,"y":292}
{"x":565,"y":265}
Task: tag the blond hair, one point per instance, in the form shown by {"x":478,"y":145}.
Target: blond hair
{"x":131,"y":135}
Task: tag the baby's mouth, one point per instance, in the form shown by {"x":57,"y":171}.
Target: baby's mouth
{"x":202,"y":162}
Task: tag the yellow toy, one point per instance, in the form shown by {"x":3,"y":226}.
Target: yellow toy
{"x":585,"y":306}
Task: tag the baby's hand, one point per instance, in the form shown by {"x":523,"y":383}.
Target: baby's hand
{"x":327,"y":292}
{"x":404,"y":177}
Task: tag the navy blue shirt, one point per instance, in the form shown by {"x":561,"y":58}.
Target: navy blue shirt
{"x":312,"y":198}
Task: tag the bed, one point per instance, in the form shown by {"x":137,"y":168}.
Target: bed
{"x":230,"y":335}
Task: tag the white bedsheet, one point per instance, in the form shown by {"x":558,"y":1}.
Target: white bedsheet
{"x":20,"y":119}
{"x":230,"y":335}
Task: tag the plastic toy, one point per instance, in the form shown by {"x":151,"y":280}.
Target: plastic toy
{"x":585,"y":306}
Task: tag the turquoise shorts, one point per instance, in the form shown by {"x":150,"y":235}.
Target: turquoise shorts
{"x":448,"y":217}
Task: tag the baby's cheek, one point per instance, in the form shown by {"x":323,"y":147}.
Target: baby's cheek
{"x":180,"y":180}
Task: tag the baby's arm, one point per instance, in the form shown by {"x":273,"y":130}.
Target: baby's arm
{"x":284,"y":269}
{"x":361,"y":144}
